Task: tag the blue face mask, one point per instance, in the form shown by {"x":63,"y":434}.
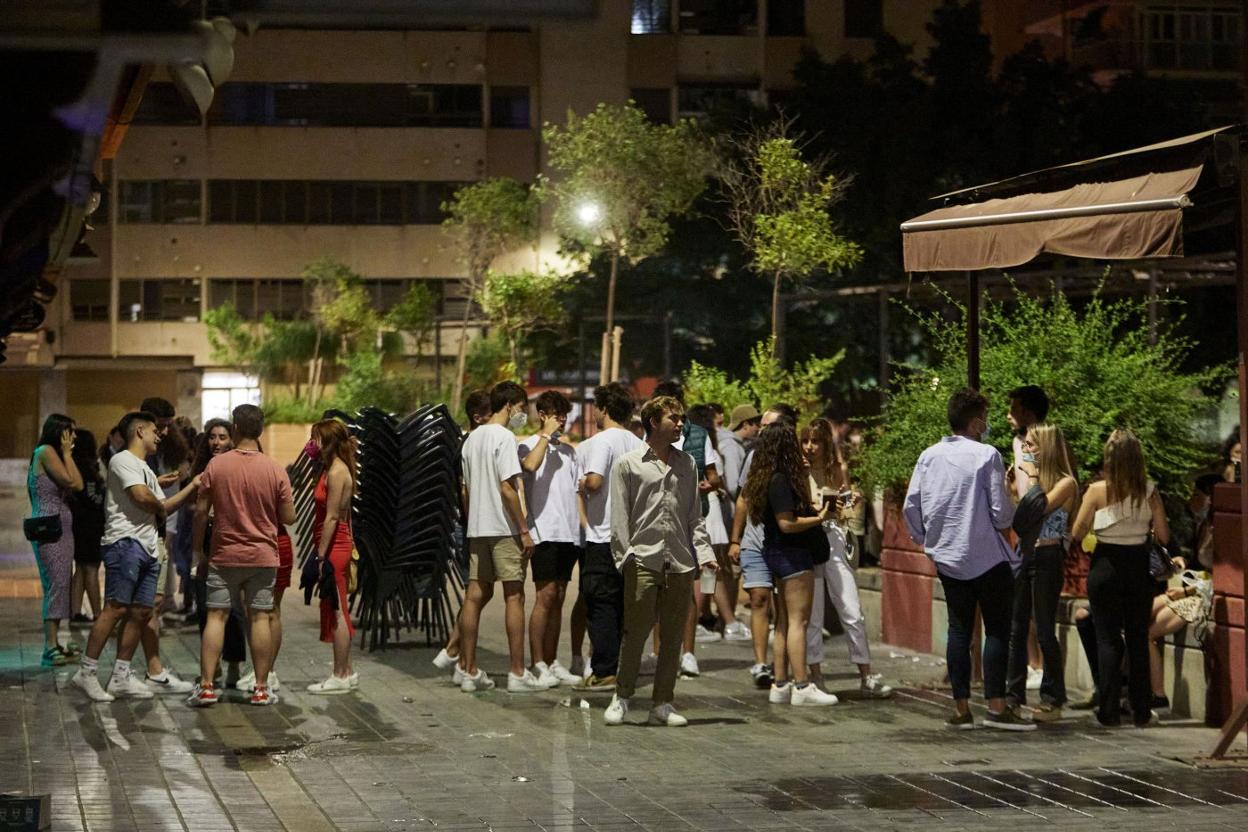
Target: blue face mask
{"x":983,"y":437}
{"x":1029,"y":458}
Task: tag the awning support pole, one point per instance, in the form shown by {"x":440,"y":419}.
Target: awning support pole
{"x":972,"y":329}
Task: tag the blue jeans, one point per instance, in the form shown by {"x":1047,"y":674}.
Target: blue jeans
{"x":130,"y":573}
{"x":993,"y":593}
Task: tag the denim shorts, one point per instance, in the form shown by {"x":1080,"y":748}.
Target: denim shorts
{"x":754,"y":570}
{"x":788,"y":561}
{"x":130,"y":573}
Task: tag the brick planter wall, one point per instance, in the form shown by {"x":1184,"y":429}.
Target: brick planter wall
{"x":907,"y":581}
{"x":1228,"y":683}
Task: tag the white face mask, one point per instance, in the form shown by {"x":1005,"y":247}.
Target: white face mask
{"x":517,"y":420}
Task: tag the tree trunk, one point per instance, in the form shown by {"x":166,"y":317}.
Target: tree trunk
{"x":314,"y":368}
{"x":775,"y":306}
{"x":461,"y":360}
{"x":604,"y":371}
{"x":513,"y":344}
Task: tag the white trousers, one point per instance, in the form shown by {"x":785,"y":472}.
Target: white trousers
{"x":836,"y":580}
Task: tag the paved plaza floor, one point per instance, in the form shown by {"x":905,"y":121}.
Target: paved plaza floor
{"x":410,"y":752}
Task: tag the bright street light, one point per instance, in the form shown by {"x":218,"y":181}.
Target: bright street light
{"x":588,"y":213}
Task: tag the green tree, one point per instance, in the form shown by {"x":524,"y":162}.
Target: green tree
{"x":519,"y":303}
{"x":486,"y":219}
{"x":324,"y":275}
{"x":233,"y":341}
{"x":768,"y":382}
{"x":618,"y":181}
{"x":283,"y":351}
{"x":704,"y":385}
{"x":1098,"y":366}
{"x":778,"y":206}
{"x":414,"y":314}
{"x":488,"y":363}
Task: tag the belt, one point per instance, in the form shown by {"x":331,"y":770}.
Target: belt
{"x":1056,"y":541}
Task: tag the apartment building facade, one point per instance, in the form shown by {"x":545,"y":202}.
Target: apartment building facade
{"x":345,"y":144}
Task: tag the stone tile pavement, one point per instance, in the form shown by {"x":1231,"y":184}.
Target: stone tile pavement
{"x":410,"y":752}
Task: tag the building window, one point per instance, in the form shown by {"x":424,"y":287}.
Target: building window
{"x":651,"y":17}
{"x":722,"y":99}
{"x":786,"y":18}
{"x":864,"y":18}
{"x":719,"y":17}
{"x":1192,"y":38}
{"x":509,"y":107}
{"x":347,"y":105}
{"x":655,"y":102}
{"x":290,"y":298}
{"x":89,"y":299}
{"x":159,"y":299}
{"x":221,"y":392}
{"x":161,"y":201}
{"x":327,"y":202}
{"x":162,"y":103}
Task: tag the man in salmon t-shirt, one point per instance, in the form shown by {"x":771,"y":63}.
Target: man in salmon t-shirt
{"x":249,"y":496}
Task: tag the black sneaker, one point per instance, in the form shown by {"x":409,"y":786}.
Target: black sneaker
{"x":1161,"y":703}
{"x":762,"y":676}
{"x":960,"y":722}
{"x":1008,"y":720}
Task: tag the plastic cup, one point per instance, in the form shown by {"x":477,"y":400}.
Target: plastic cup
{"x":707,"y":582}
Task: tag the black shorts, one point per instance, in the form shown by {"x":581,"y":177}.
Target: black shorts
{"x":554,"y":561}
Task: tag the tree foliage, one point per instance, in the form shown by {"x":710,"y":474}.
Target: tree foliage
{"x":1097,"y":365}
{"x":768,"y":382}
{"x":519,"y":303}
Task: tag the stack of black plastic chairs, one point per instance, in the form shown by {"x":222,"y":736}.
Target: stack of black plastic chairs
{"x":407,"y":503}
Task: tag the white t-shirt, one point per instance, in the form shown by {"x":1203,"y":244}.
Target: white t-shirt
{"x":551,"y":494}
{"x":709,"y":457}
{"x":489,"y":457}
{"x":122,"y":516}
{"x":596,"y":455}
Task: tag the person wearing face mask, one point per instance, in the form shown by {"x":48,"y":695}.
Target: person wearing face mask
{"x":957,"y":507}
{"x":1028,"y":406}
{"x":499,"y":543}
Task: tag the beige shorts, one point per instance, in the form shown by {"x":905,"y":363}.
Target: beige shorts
{"x":493,"y":559}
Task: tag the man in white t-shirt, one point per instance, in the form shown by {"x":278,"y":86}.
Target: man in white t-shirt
{"x":550,"y":482}
{"x":602,"y":585}
{"x":133,"y":512}
{"x":499,"y":543}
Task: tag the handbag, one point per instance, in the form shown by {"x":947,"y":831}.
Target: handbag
{"x":46,"y":529}
{"x":353,"y":571}
{"x":1159,"y":565}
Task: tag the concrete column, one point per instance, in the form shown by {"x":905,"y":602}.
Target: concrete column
{"x":53,"y":393}
{"x":190,"y":396}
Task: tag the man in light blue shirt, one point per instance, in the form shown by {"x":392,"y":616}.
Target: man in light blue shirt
{"x":957,"y":506}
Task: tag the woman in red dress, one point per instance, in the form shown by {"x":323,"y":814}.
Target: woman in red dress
{"x":331,"y":534}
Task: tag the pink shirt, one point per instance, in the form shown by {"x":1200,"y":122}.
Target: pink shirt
{"x":246,"y":489}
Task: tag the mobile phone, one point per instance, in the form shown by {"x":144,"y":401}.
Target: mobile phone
{"x":554,"y":437}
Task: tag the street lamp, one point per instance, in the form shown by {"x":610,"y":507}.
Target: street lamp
{"x":588,"y":213}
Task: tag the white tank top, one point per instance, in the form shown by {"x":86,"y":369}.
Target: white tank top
{"x":1125,"y":523}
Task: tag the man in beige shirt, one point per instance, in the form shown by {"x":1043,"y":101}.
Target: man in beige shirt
{"x":658,"y":541}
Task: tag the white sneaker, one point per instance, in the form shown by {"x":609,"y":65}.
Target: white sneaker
{"x":274,"y":682}
{"x":649,"y":663}
{"x":705,"y":636}
{"x":333,"y":686}
{"x":616,"y":711}
{"x":247,"y":683}
{"x":481,"y":681}
{"x":354,"y":679}
{"x":168,"y":682}
{"x":737,"y":631}
{"x":689,"y":665}
{"x":1035,"y":675}
{"x":665,"y":714}
{"x":90,"y":685}
{"x":525,"y":683}
{"x":780,"y":694}
{"x":810,"y":696}
{"x":565,"y":676}
{"x":545,"y":678}
{"x":457,"y":676}
{"x":128,"y":686}
{"x":444,"y":660}
{"x":873,"y":687}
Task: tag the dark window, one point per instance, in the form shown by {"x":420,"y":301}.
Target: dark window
{"x":719,"y":17}
{"x":284,"y":298}
{"x":863,"y":18}
{"x":161,"y":201}
{"x":318,"y":203}
{"x":655,"y":102}
{"x":296,"y":194}
{"x":786,"y":18}
{"x":246,"y":196}
{"x":163,"y":104}
{"x":509,"y":107}
{"x":289,"y":298}
{"x":341,"y":200}
{"x":366,"y":199}
{"x":240,"y":293}
{"x":651,"y":17}
{"x":89,"y":299}
{"x":272,"y":202}
{"x":722,"y":99}
{"x":162,"y":299}
{"x":327,"y":202}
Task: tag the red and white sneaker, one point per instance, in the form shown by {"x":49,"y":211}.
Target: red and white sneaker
{"x":262,"y":695}
{"x":203,"y":696}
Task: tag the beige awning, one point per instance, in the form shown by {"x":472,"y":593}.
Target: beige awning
{"x":1140,"y":216}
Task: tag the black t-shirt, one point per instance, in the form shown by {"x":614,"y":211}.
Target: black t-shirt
{"x":781,"y":498}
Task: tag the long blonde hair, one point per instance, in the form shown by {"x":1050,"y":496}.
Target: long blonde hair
{"x":1126,"y":475}
{"x":1053,"y":461}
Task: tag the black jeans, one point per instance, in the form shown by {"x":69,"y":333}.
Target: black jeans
{"x":993,"y":593}
{"x":1091,"y":651}
{"x":1120,"y":592}
{"x":1037,"y":589}
{"x":602,"y":587}
{"x":235,"y":647}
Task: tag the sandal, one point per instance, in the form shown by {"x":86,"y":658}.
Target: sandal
{"x":54,"y":657}
{"x":72,"y":649}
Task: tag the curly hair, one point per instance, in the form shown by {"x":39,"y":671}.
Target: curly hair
{"x":777,"y":452}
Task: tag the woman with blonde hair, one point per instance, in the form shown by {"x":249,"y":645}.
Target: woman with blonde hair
{"x":334,"y":447}
{"x":1051,"y":482}
{"x":1122,"y":510}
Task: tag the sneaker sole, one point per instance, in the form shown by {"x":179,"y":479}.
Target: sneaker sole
{"x":1005,"y":726}
{"x":663,"y":723}
{"x":333,"y":692}
{"x":966,"y":726}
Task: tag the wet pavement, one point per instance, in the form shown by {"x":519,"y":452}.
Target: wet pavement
{"x":410,"y":752}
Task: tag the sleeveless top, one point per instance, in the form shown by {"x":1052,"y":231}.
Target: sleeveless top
{"x":1125,"y":523}
{"x":46,"y":497}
